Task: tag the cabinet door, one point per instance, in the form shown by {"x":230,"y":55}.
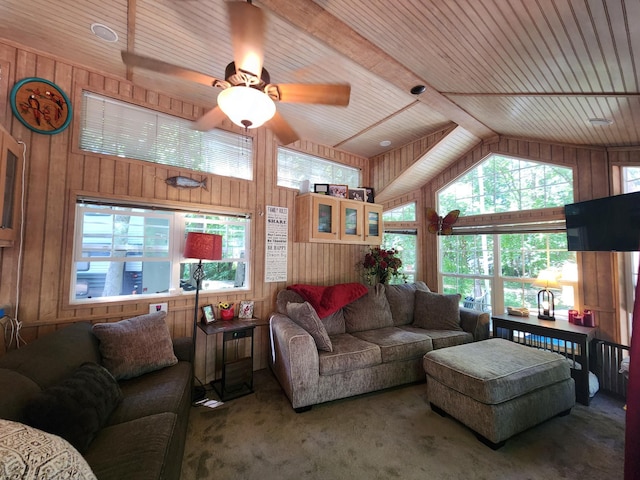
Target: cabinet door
{"x":373,"y":224}
{"x":10,"y":170}
{"x":351,"y":221}
{"x":326,"y":217}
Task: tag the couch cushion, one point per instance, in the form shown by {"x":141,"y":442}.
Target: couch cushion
{"x":496,"y":370}
{"x":349,"y":353}
{"x":397,"y":344}
{"x":435,"y":311}
{"x":401,"y":300}
{"x":165,"y":390}
{"x":327,"y":300}
{"x":442,"y":338}
{"x":22,"y":390}
{"x":78,"y":407}
{"x":304,"y":315}
{"x":369,"y":312}
{"x":135,"y":346}
{"x":140,"y":447}
{"x":31,"y":454}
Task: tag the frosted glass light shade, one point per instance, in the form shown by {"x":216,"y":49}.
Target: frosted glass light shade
{"x":246,"y":106}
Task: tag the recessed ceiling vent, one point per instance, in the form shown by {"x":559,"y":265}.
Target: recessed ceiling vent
{"x":105,"y":33}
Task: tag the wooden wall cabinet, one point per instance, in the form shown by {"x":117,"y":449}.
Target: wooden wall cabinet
{"x":326,"y":219}
{"x":10,"y":188}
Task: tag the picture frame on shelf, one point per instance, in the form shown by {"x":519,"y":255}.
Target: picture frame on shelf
{"x":370,"y":196}
{"x":246,"y":309}
{"x":321,"y":188}
{"x":359,"y":194}
{"x":340,"y":191}
{"x":209,"y":315}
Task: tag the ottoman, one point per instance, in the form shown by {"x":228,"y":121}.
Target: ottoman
{"x":498,"y":388}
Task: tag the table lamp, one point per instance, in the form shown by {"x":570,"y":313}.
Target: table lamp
{"x":203,"y":246}
{"x":548,"y":279}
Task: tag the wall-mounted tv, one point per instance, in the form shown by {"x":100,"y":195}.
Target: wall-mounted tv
{"x":605,"y":224}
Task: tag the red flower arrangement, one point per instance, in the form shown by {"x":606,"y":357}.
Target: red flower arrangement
{"x":381,"y":264}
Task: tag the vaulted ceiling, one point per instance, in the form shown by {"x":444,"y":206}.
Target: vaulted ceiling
{"x":535,"y":69}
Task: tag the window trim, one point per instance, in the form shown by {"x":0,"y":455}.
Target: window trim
{"x":75,"y":197}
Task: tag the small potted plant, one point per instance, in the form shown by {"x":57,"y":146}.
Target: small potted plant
{"x":226,"y":310}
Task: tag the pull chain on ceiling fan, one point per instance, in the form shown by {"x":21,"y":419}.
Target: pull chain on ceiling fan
{"x":247,"y":97}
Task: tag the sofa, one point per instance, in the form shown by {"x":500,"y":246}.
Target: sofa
{"x":342,"y":340}
{"x":116,"y":395}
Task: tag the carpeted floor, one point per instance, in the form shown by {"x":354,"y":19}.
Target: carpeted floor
{"x":391,"y":435}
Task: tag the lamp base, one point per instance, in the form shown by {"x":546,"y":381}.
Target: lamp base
{"x":546,"y":317}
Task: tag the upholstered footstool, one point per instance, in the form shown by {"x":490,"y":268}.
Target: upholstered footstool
{"x":498,"y":388}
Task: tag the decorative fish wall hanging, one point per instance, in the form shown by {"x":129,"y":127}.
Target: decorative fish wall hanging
{"x":441,"y":225}
{"x":186,"y":182}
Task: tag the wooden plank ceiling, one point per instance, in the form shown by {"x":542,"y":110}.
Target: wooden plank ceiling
{"x":536,"y":69}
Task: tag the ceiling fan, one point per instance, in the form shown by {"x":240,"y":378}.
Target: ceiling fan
{"x":247,"y":96}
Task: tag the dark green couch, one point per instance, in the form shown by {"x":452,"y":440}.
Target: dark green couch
{"x":145,"y":435}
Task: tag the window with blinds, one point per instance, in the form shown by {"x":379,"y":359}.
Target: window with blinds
{"x":113,"y":127}
{"x":295,"y":167}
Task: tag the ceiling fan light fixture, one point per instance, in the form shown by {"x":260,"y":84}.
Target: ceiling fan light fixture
{"x":246,"y":106}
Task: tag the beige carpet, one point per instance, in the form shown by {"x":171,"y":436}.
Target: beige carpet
{"x":391,"y":435}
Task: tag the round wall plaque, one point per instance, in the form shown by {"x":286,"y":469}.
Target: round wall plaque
{"x":40,"y":105}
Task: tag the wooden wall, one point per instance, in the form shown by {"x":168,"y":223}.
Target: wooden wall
{"x":56,"y":171}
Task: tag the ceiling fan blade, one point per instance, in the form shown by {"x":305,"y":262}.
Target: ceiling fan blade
{"x":209,"y":120}
{"x":135,"y":60}
{"x":281,"y":128}
{"x":247,"y":36}
{"x":326,"y":94}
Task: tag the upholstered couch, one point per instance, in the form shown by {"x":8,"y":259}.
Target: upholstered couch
{"x":119,"y":393}
{"x":373,"y":341}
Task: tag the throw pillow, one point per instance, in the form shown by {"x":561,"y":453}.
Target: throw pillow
{"x":434,"y":311}
{"x":305,"y":315}
{"x":78,"y":407}
{"x":31,"y":454}
{"x":369,"y":312}
{"x":401,"y":300}
{"x":139,"y":345}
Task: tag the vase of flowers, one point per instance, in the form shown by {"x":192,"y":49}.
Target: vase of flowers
{"x":380,"y":265}
{"x":226,"y":310}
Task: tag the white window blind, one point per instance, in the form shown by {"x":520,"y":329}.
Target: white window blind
{"x":113,"y":127}
{"x":295,"y":167}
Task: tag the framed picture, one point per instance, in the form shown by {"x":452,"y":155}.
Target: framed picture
{"x":209,"y":316}
{"x":322,"y":188}
{"x":340,"y":191}
{"x":246,"y":309}
{"x":40,"y":105}
{"x":359,"y":194}
{"x":370,"y":195}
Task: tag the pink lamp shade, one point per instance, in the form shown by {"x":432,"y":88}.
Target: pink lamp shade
{"x":203,"y":246}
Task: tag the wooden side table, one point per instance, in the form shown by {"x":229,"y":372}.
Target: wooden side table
{"x":546,"y":334}
{"x":237,"y":371}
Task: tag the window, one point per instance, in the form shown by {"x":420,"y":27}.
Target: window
{"x":504,"y":184}
{"x":405,"y":241}
{"x":404,"y":213}
{"x":497,"y":269}
{"x":295,"y":167}
{"x":630,"y":183}
{"x":127,"y":250}
{"x":112,"y":127}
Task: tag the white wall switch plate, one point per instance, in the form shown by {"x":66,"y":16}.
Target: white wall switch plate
{"x":157,"y":307}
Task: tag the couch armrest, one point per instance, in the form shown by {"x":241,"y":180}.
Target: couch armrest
{"x":183,"y":348}
{"x":475,"y":322}
{"x":293,"y":358}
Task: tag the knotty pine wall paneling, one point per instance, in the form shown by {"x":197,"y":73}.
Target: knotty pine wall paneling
{"x":57,"y":171}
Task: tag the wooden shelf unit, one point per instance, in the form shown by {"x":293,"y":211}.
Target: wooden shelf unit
{"x":10,"y":188}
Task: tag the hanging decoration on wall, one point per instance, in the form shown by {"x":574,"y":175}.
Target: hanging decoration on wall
{"x":441,"y":225}
{"x":40,"y":105}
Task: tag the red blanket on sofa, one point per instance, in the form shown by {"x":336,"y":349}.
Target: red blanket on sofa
{"x":327,"y":300}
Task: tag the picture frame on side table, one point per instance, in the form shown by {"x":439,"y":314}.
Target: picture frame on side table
{"x":246,"y":309}
{"x":340,"y":191}
{"x":359,"y":194}
{"x":209,"y":315}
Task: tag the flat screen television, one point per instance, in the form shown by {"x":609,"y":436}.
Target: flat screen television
{"x":605,"y":224}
